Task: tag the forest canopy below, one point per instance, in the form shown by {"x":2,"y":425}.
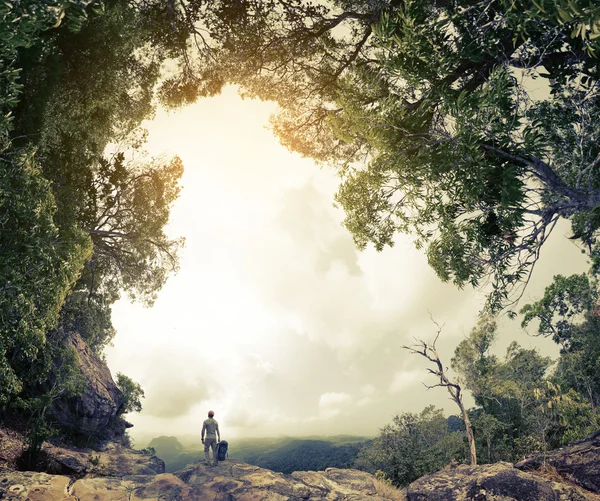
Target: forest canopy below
{"x":421,"y":107}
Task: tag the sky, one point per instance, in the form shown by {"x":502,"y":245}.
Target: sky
{"x":275,"y":320}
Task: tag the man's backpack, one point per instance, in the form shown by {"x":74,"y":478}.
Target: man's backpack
{"x":222,"y":450}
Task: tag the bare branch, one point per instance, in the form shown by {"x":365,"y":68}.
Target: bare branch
{"x":429,"y":352}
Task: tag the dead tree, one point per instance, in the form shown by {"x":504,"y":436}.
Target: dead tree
{"x":429,"y":352}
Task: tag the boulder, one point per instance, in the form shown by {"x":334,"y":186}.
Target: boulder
{"x":199,"y":482}
{"x":493,"y":482}
{"x":112,"y":460}
{"x":117,"y":460}
{"x":578,"y":462}
{"x":97,"y":411}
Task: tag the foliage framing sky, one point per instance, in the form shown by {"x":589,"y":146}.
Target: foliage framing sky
{"x":275,"y":320}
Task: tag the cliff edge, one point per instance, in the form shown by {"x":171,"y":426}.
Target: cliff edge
{"x":97,"y":411}
{"x":230,"y":480}
{"x":571,"y":473}
{"x":568,"y":474}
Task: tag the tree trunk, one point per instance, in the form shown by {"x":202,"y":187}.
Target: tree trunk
{"x":469,"y":430}
{"x":430,"y":353}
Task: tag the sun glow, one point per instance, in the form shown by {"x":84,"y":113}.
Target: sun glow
{"x":275,"y":320}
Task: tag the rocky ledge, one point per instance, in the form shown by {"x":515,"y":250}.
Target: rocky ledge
{"x":571,"y":473}
{"x":230,"y":480}
{"x":113,"y":459}
{"x":568,"y":474}
{"x":578,"y":462}
{"x":97,"y":411}
{"x":494,"y":482}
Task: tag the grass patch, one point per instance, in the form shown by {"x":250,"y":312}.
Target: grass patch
{"x":387,"y":490}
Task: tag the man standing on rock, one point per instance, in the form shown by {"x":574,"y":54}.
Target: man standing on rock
{"x":210,"y":427}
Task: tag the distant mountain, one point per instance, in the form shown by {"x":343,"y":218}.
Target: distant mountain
{"x":301,"y":454}
{"x":167,"y":448}
{"x":282,"y":454}
{"x":181,"y":460}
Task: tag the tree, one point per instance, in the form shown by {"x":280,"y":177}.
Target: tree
{"x":563,"y":306}
{"x":39,"y":263}
{"x":411,"y":446}
{"x":423,"y":106}
{"x":473,"y":359}
{"x":98,"y":86}
{"x":439,"y":371}
{"x":576,"y":417}
{"x":22,"y":23}
{"x":491,"y":379}
{"x":64,"y":380}
{"x":132,"y":393}
{"x":125,"y":210}
{"x":90,"y":317}
{"x":487,"y":427}
{"x":522,"y":372}
{"x":578,"y":367}
{"x":568,"y":312}
{"x":512,"y":391}
{"x":84,"y":88}
{"x":76,"y":228}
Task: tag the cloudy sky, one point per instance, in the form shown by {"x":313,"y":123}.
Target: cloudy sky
{"x":275,"y":320}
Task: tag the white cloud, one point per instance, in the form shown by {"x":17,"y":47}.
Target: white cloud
{"x":263,"y":365}
{"x":273,"y":305}
{"x":405,"y":379}
{"x":368,"y":389}
{"x":333,"y":399}
{"x":172,"y":398}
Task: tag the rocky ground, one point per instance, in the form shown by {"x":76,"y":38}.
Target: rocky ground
{"x":10,"y":448}
{"x":111,"y":460}
{"x":230,"y":480}
{"x":496,"y":482}
{"x":571,"y":473}
{"x":114,"y":472}
{"x":578,"y":462}
{"x":117,"y":473}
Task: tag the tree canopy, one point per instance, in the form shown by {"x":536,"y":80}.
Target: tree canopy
{"x":125,"y":209}
{"x":523,"y":397}
{"x":132,"y":393}
{"x":38,"y":266}
{"x":78,"y":226}
{"x":411,"y":446}
{"x":425,"y":108}
{"x":568,"y":313}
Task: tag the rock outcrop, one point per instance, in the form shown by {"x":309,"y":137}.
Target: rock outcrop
{"x":198,"y":482}
{"x":111,"y":461}
{"x":571,"y":473}
{"x":578,"y":462}
{"x":97,"y":412}
{"x":494,"y":482}
{"x":118,"y":473}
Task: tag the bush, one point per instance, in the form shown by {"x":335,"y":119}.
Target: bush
{"x":132,"y":393}
{"x":412,"y":446}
